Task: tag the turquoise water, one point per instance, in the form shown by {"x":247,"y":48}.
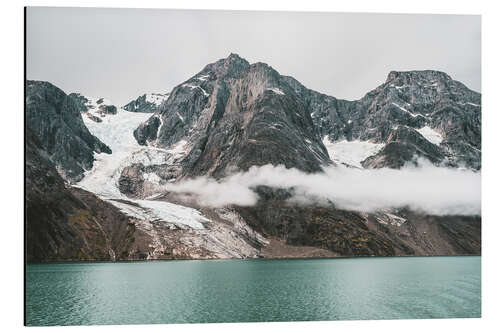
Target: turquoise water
{"x":252,"y":290}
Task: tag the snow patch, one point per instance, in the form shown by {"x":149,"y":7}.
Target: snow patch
{"x":179,"y":149}
{"x":151,"y":177}
{"x":180,"y":117}
{"x":177,"y":214}
{"x":159,"y":127}
{"x":276,"y":91}
{"x":203,"y":77}
{"x":403,"y":109}
{"x":188,"y":85}
{"x":399,"y":87}
{"x":434,"y":84}
{"x":156,"y":99}
{"x":431,"y":135}
{"x":469,"y":103}
{"x":351,"y":152}
{"x":151,"y":210}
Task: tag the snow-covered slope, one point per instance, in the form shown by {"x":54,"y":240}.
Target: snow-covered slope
{"x":431,"y":135}
{"x":351,"y":152}
{"x":116,"y":130}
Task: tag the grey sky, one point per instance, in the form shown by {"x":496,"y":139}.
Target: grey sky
{"x":122,"y":53}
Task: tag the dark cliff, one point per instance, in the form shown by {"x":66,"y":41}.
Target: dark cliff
{"x":55,"y":119}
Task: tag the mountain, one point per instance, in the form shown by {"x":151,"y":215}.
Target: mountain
{"x":127,"y":180}
{"x":234,"y":115}
{"x":415,"y":113}
{"x":147,"y":103}
{"x":55,"y":119}
{"x":67,"y":223}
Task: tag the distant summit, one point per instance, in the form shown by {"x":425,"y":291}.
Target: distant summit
{"x":147,"y":103}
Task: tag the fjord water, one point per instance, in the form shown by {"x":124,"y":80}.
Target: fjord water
{"x":252,"y":290}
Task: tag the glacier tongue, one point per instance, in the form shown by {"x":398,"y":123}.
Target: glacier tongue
{"x":116,"y":130}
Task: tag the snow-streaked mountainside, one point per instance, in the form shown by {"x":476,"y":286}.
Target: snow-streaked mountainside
{"x":167,"y":224}
{"x":416,"y":114}
{"x":116,"y":130}
{"x":401,"y":113}
{"x":233,"y":118}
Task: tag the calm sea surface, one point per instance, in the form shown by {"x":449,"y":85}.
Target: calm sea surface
{"x":252,"y":290}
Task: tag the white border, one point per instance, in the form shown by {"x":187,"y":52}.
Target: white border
{"x":11,"y":117}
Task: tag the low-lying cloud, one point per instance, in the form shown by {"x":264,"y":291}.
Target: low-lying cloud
{"x":427,"y":188}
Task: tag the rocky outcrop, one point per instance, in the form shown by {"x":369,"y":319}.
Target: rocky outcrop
{"x":67,"y":223}
{"x":81,"y":101}
{"x":56,"y":120}
{"x":93,"y":108}
{"x":147,"y":103}
{"x":106,"y":109}
{"x":139,"y":181}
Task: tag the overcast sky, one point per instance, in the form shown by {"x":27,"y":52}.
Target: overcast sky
{"x":122,"y":53}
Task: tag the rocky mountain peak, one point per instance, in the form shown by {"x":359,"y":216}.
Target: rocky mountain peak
{"x":420,"y":76}
{"x":235,"y":115}
{"x":441,"y":119}
{"x":232,"y":109}
{"x":146,"y":103}
{"x":233,"y":65}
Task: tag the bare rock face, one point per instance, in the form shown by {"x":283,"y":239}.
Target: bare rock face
{"x":56,"y":120}
{"x":131,"y":180}
{"x":235,"y":115}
